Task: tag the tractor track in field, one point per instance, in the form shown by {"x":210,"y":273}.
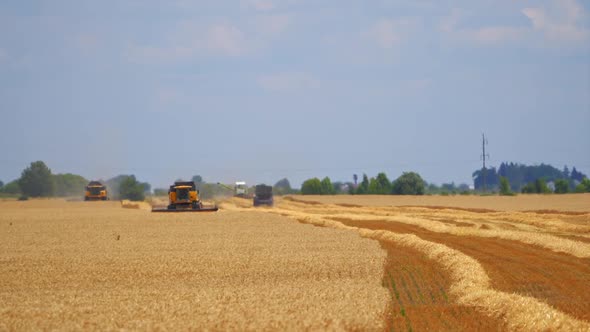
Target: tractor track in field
{"x":530,"y":285}
{"x":513,"y":267}
{"x":420,"y":299}
{"x":493,"y":278}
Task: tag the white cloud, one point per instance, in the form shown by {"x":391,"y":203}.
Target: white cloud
{"x":87,"y":43}
{"x":168,"y":96}
{"x":260,"y":5}
{"x":417,"y":85}
{"x":495,"y":34}
{"x":220,"y":38}
{"x":385,"y":33}
{"x":190,"y":39}
{"x":271,"y":25}
{"x":388,"y":33}
{"x":193,"y":40}
{"x":381,"y":41}
{"x":288,"y":81}
{"x":151,"y":54}
{"x":561,"y":22}
{"x":224,"y":39}
{"x":448,"y":23}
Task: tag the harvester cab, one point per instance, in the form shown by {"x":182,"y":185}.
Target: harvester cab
{"x":240,"y":189}
{"x":95,"y":191}
{"x":183,"y":196}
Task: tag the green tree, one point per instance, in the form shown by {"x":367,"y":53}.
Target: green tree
{"x":363,"y":187}
{"x":198,"y":179}
{"x":131,"y":189}
{"x":326,"y":187}
{"x":69,"y":184}
{"x":562,"y":186}
{"x":380,"y":185}
{"x":430,"y":189}
{"x":37,"y":181}
{"x":492,"y":179}
{"x":1,"y":185}
{"x":212,"y":190}
{"x":351,"y":189}
{"x":520,"y":175}
{"x":282,"y":187}
{"x":409,"y":183}
{"x":114,"y":184}
{"x":311,"y":187}
{"x":528,"y":188}
{"x":372,"y":186}
{"x":11,"y":188}
{"x":539,"y":186}
{"x":160,"y":192}
{"x":583,"y":187}
{"x":338,"y":185}
{"x":505,"y":186}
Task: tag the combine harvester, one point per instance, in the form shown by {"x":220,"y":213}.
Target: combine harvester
{"x":183,"y":196}
{"x":239,"y":190}
{"x":95,"y":191}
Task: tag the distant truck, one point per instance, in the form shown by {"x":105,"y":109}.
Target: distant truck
{"x":95,"y":191}
{"x":263,"y":195}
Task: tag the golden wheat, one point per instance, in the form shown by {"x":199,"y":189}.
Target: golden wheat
{"x":126,"y":204}
{"x":73,"y":266}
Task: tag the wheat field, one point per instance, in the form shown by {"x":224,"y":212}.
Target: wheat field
{"x":374,"y":263}
{"x":97,"y":266}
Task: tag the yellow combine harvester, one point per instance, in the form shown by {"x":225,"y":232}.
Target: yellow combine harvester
{"x":95,"y":191}
{"x":183,"y":196}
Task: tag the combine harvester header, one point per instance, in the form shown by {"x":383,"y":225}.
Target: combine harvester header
{"x":183,"y":196}
{"x":95,"y":191}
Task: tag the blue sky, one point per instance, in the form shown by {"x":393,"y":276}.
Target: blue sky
{"x":258,"y":90}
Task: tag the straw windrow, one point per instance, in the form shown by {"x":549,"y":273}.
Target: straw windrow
{"x":471,"y":284}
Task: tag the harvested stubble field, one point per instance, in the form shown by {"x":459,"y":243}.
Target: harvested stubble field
{"x":376,"y":263}
{"x":542,"y":203}
{"x":486,"y":264}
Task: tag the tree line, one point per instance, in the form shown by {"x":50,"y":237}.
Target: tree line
{"x":37,"y":180}
{"x":409,"y":183}
{"x":530,"y":179}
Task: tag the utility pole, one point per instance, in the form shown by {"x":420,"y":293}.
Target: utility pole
{"x":484,"y":142}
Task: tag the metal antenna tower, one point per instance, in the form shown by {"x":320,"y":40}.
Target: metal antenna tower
{"x":484,"y":142}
